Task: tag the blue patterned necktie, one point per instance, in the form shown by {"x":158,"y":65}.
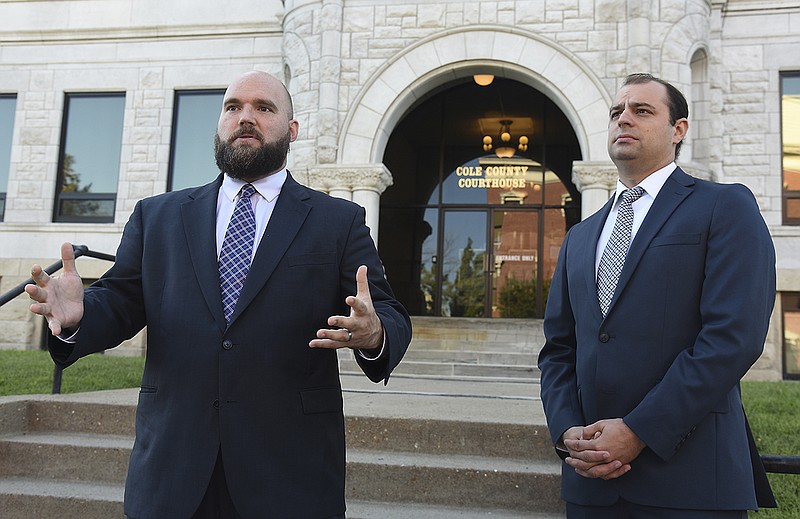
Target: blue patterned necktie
{"x":613,"y":257}
{"x":237,"y":249}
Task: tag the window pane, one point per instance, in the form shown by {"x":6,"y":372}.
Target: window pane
{"x":791,"y":334}
{"x":791,"y":209}
{"x":90,"y":158}
{"x":8,"y":104}
{"x":195,"y":122}
{"x":790,"y":117}
{"x":83,"y":208}
{"x":93,"y":142}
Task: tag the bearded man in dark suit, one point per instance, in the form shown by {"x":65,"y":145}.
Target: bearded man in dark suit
{"x":240,"y":409}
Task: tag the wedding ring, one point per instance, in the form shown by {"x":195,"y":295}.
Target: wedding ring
{"x":349,"y":336}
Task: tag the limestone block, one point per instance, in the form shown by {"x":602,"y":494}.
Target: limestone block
{"x":488,"y":13}
{"x":146,"y":117}
{"x":530,"y":12}
{"x":151,"y":78}
{"x":389,"y":31}
{"x":398,"y":74}
{"x":33,"y":137}
{"x":743,"y":57}
{"x":506,"y":17}
{"x":575,"y":41}
{"x":145,"y":135}
{"x":454,"y":18}
{"x":357,"y":19}
{"x":472,"y":13}
{"x":402,"y":10}
{"x":42,"y":80}
{"x":430,"y":15}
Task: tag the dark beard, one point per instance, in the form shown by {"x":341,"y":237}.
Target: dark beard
{"x":247,"y":163}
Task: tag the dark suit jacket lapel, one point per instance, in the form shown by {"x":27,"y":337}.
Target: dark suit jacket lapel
{"x":291,"y":210}
{"x":199,"y":224}
{"x":677,"y":187}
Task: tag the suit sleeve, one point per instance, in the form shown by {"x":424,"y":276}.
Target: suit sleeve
{"x":113,"y":305}
{"x":360,"y":250}
{"x":737,"y":299}
{"x":559,"y":386}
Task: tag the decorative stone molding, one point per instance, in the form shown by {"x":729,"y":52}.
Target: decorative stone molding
{"x":349,"y":177}
{"x":594,"y":175}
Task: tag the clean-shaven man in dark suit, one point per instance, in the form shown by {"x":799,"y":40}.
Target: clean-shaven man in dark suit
{"x":643,"y":401}
{"x":238,"y":416}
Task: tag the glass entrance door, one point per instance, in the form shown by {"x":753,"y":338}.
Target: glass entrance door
{"x":464,"y":279}
{"x":476,"y":280}
{"x":514,"y":263}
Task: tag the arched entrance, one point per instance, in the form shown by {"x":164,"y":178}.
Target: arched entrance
{"x":466,"y":233}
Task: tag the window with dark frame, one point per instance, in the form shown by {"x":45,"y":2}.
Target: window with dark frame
{"x":790,"y":304}
{"x":8,"y":106}
{"x":194,"y":123}
{"x":790,"y":136}
{"x":89,"y":157}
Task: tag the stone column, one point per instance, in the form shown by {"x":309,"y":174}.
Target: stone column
{"x":329,"y":79}
{"x":638,"y":12}
{"x":363,"y":184}
{"x":596,"y":181}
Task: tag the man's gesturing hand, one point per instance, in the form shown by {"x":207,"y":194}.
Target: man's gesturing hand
{"x":361,"y":330}
{"x":60,"y":298}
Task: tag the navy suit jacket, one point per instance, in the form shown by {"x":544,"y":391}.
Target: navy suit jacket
{"x":253,"y":388}
{"x":688,"y":319}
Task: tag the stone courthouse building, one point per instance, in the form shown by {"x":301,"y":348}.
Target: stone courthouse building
{"x":473,"y":132}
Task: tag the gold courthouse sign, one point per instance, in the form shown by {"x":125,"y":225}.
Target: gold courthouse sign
{"x":492,"y":177}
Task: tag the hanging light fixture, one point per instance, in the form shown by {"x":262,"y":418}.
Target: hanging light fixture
{"x":483,"y":79}
{"x":504,"y":148}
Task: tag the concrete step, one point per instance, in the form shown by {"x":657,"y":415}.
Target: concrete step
{"x":424,"y":435}
{"x":437,"y":448}
{"x":468,"y":349}
{"x":453,"y":369}
{"x":372,"y":510}
{"x":65,"y":456}
{"x":457,"y":334}
{"x":471,"y":357}
{"x":25,"y":498}
{"x":36,"y":499}
{"x":470,"y":481}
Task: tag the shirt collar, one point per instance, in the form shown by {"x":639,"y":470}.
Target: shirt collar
{"x":268,"y":187}
{"x":652,"y":184}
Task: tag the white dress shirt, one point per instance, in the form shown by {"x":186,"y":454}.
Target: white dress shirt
{"x":652,"y":184}
{"x":267,"y":191}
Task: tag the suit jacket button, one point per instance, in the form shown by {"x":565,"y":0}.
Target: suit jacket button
{"x":216,"y":403}
{"x":227,"y":344}
{"x":604,"y":337}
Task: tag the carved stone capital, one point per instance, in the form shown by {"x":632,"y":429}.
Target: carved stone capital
{"x":370,"y":177}
{"x":594,"y":175}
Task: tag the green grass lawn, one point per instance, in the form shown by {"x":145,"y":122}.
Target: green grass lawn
{"x":31,"y":372}
{"x":772,"y":407}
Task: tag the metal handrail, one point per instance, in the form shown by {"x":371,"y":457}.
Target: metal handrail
{"x":779,"y":464}
{"x":78,"y":250}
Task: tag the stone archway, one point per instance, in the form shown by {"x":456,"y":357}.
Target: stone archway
{"x":434,"y":61}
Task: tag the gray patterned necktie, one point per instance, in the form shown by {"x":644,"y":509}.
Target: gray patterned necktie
{"x":237,"y":249}
{"x":613,"y":257}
